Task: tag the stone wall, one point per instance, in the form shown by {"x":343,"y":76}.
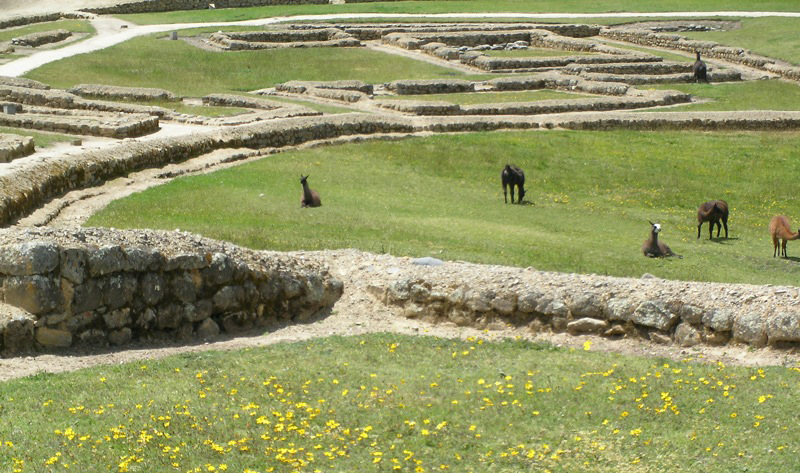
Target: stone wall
{"x":31,"y":19}
{"x":706,"y":48}
{"x":287,"y":38}
{"x":111,"y":125}
{"x":489,"y":297}
{"x":38,"y":39}
{"x":101,"y":287}
{"x":154,"y":6}
{"x":430,"y":86}
{"x":113,"y":92}
{"x":22,"y":82}
{"x":15,"y":146}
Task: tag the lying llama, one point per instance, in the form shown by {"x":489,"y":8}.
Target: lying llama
{"x":656,"y":249}
{"x":700,"y":70}
{"x":713,"y":212}
{"x":513,"y":176}
{"x":310,"y":197}
{"x":779,"y":229}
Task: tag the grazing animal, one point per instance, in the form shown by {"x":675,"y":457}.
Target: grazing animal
{"x":656,"y":249}
{"x":513,"y":176}
{"x":310,"y":197}
{"x":713,"y":212}
{"x":700,"y":70}
{"x":779,"y":229}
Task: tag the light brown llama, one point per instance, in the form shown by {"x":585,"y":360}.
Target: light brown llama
{"x":779,"y":229}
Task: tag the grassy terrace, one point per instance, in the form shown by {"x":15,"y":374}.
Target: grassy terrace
{"x":590,"y":196}
{"x":76,"y":26}
{"x":352,"y":404}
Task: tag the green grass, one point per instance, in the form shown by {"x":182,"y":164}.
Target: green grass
{"x":203,"y":72}
{"x":491,"y":97}
{"x":40,"y":138}
{"x":465,"y":6}
{"x":771,"y":94}
{"x":384,"y":402}
{"x":76,"y":26}
{"x":590,"y":196}
{"x":772,"y":37}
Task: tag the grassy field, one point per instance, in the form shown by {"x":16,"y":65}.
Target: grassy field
{"x":76,"y":26}
{"x":771,"y":94}
{"x":40,"y":139}
{"x":466,"y":6}
{"x":351,"y":404}
{"x":203,"y":72}
{"x":590,"y":196}
{"x":772,"y":37}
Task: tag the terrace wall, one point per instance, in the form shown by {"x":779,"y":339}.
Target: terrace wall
{"x":98,"y":287}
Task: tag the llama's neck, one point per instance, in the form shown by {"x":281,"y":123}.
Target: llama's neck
{"x":306,"y":191}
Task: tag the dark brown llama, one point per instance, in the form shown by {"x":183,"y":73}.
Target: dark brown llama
{"x":653,"y":248}
{"x":700,"y":70}
{"x":310,"y":197}
{"x":713,"y":212}
{"x":510,"y":177}
{"x":779,"y":230}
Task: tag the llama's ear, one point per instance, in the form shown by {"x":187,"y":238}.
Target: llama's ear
{"x":652,"y":224}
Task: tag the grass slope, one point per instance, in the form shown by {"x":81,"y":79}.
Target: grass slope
{"x":590,"y":196}
{"x":356,"y":404}
{"x":203,"y":72}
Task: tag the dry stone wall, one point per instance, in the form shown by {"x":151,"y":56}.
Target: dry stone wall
{"x":38,"y":39}
{"x":684,"y":313}
{"x":154,"y":6}
{"x":101,"y":287}
{"x":111,"y":125}
{"x":14,"y":146}
{"x":113,"y":92}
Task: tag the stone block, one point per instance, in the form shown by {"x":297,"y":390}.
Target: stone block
{"x":51,"y":337}
{"x":587,"y":325}
{"x":654,"y":314}
{"x":35,"y":294}
{"x":27,"y":259}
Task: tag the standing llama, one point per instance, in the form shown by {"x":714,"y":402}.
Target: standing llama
{"x":713,"y":212}
{"x":779,"y":229}
{"x":310,"y":197}
{"x":700,"y":70}
{"x":513,"y":176}
{"x":653,"y":248}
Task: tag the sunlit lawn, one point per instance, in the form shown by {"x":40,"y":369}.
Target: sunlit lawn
{"x":40,"y":138}
{"x":399,"y":403}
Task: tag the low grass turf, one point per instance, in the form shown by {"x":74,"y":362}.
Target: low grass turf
{"x":76,"y":26}
{"x":353,"y":404}
{"x":40,"y":138}
{"x":590,"y":196}
{"x":772,"y":37}
{"x":773,"y":94}
{"x":202,"y":72}
{"x":465,"y":6}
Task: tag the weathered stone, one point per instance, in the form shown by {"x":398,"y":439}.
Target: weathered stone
{"x":219,"y":271}
{"x":185,"y":331}
{"x":691,"y":314}
{"x":152,"y":288}
{"x":86,"y":297}
{"x":478,"y":301}
{"x":107,"y":259}
{"x":118,"y":289}
{"x":207,"y":329}
{"x":146,"y":319}
{"x":620,"y":309}
{"x":459,"y":317}
{"x":557,"y":308}
{"x":413,"y":311}
{"x":182,"y":287}
{"x":654,"y":314}
{"x":185,"y":262}
{"x":142,"y":259}
{"x":720,"y":320}
{"x":117,"y":318}
{"x":199,"y":310}
{"x":169,"y":316}
{"x":36,"y":294}
{"x":660,"y":338}
{"x":586,"y":304}
{"x":749,"y":327}
{"x":419,"y":293}
{"x":292,"y":288}
{"x":16,"y":327}
{"x":615,"y":331}
{"x":228,"y":298}
{"x":83,"y":319}
{"x":237,"y":322}
{"x":73,"y":265}
{"x":783,"y":327}
{"x":27,"y":259}
{"x":528,"y":301}
{"x":504,"y":303}
{"x":399,"y":290}
{"x":687,"y":336}
{"x":93,"y":337}
{"x":119,"y":337}
{"x":51,"y":337}
{"x":456,"y":296}
{"x":314,"y":289}
{"x":587,"y":325}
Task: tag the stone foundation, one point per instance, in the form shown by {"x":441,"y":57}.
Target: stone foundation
{"x":98,"y":287}
{"x":15,"y":146}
